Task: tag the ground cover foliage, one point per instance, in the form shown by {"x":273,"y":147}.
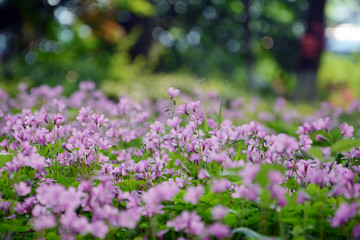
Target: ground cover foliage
{"x":87,"y":167}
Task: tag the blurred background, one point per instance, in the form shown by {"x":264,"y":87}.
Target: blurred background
{"x":296,"y":49}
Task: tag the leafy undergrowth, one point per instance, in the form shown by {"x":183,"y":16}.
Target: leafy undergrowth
{"x":88,"y":167}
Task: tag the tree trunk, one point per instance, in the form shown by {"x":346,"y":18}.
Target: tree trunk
{"x":248,"y":54}
{"x":311,"y":44}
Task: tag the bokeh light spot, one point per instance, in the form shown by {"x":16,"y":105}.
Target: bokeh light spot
{"x":181,"y":7}
{"x":232,"y":45}
{"x":72,"y":76}
{"x":124,"y":16}
{"x":84,"y":31}
{"x":66,"y":35}
{"x":156,"y":32}
{"x":267,"y":42}
{"x":298,"y":28}
{"x":193,"y":37}
{"x":209,"y":12}
{"x":218,"y":2}
{"x":53,"y":2}
{"x":166,"y":39}
{"x":30,"y":58}
{"x":64,"y":15}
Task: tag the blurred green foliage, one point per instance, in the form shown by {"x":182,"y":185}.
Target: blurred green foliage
{"x":80,"y":40}
{"x":117,"y":42}
{"x":216,"y":37}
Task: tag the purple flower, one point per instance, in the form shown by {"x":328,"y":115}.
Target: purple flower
{"x":173,"y":92}
{"x":342,"y":214}
{"x":42,"y":222}
{"x":193,"y":194}
{"x":278,"y":192}
{"x":99,"y":229}
{"x":326,"y":151}
{"x":285,"y":144}
{"x":174,"y":122}
{"x":251,"y":192}
{"x":220,"y":185}
{"x":58,"y":119}
{"x":275,"y":177}
{"x":321,"y":124}
{"x":183,"y":109}
{"x":305,"y":142}
{"x":249,"y":173}
{"x":190,"y":223}
{"x":356,"y":231}
{"x":320,"y":137}
{"x":161,"y":233}
{"x":302,"y":197}
{"x":219,"y":230}
{"x":161,"y":192}
{"x":99,"y":119}
{"x":203,"y":174}
{"x":219,"y":212}
{"x":22,"y":189}
{"x":346,"y":130}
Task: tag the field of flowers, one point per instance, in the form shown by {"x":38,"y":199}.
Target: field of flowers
{"x":88,"y":167}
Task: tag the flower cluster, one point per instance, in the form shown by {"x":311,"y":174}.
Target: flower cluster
{"x":88,"y":165}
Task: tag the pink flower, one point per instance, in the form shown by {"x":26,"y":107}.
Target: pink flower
{"x":278,"y":192}
{"x":346,"y":130}
{"x":43,"y":222}
{"x":173,"y":92}
{"x":99,"y":119}
{"x":220,"y":185}
{"x":22,"y":189}
{"x":285,"y":144}
{"x":275,"y":177}
{"x":251,"y":192}
{"x":356,"y":231}
{"x":99,"y":229}
{"x":320,"y":137}
{"x":342,"y":214}
{"x":219,"y":212}
{"x":321,"y":124}
{"x":203,"y":174}
{"x":305,"y":142}
{"x":249,"y":173}
{"x":190,"y":223}
{"x":161,"y":233}
{"x":193,"y":194}
{"x":58,"y":119}
{"x":219,"y":230}
{"x":174,"y":123}
{"x":302,"y":197}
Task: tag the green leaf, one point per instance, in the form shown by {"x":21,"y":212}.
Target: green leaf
{"x":75,"y":184}
{"x":231,"y":219}
{"x":220,"y":112}
{"x":292,"y":184}
{"x":52,"y":236}
{"x":4,"y":227}
{"x":210,"y":198}
{"x":316,"y":152}
{"x":4,"y":158}
{"x":19,"y":228}
{"x":254,"y":219}
{"x":263,"y":176}
{"x":231,"y":174}
{"x":251,"y":234}
{"x":238,"y":152}
{"x":345,"y":145}
{"x":179,"y":198}
{"x":142,"y":8}
{"x":265,"y":198}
